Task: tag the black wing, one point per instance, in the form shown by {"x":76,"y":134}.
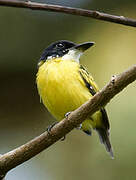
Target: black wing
{"x":103,"y":131}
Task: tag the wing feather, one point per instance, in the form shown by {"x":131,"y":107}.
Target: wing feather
{"x":88,"y":80}
{"x":103,"y":131}
{"x":93,"y":89}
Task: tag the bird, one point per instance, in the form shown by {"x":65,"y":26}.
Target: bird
{"x":64,"y":85}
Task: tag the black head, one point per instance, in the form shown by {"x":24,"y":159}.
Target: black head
{"x":57,"y":49}
{"x":62,"y":47}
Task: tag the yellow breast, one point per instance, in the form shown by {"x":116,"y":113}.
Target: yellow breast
{"x":60,"y":86}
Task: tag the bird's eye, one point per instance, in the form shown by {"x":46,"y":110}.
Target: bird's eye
{"x":59,"y":45}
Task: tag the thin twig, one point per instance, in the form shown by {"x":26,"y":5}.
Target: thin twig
{"x":69,"y":10}
{"x":23,"y":153}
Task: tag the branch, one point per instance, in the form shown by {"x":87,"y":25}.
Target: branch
{"x":23,"y":153}
{"x":69,"y":10}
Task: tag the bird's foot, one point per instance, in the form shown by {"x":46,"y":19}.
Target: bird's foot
{"x":67,"y":114}
{"x":50,"y":127}
{"x":113,"y":78}
{"x":63,"y":138}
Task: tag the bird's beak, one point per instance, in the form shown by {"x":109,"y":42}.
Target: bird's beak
{"x":84,"y":46}
{"x":76,"y":51}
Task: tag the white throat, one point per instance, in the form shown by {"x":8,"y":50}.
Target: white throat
{"x":73,"y":54}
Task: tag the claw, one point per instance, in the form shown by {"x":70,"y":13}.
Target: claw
{"x":63,"y":138}
{"x":113,"y":79}
{"x":67,"y":114}
{"x":50,"y":127}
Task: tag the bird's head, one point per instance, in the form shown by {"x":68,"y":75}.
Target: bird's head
{"x":67,"y":50}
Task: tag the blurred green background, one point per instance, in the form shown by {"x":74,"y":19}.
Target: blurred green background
{"x":24,"y":34}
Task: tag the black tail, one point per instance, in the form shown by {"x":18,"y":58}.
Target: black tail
{"x":104,"y":138}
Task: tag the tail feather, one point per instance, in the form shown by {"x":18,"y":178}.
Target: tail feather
{"x":104,"y":139}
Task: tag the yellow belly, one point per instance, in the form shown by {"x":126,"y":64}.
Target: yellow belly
{"x":61,"y":87}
